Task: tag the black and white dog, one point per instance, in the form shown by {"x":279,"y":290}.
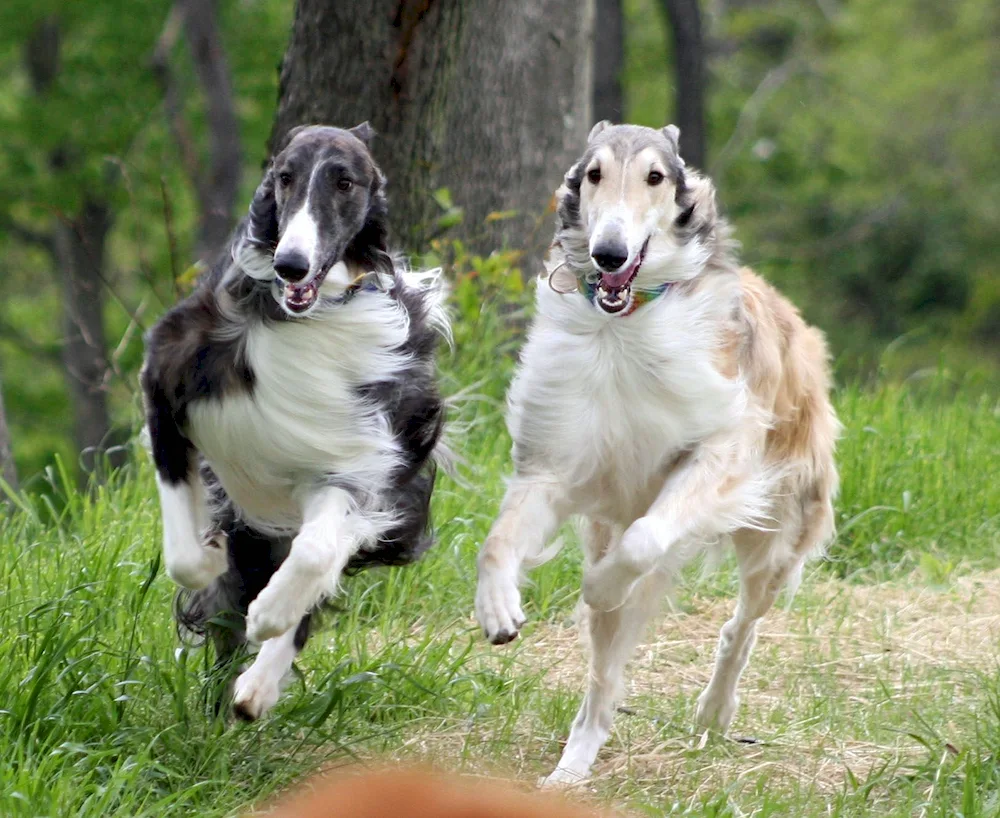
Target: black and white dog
{"x":293,"y":409}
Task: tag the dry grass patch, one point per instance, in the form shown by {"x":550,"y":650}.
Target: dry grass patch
{"x":850,"y":678}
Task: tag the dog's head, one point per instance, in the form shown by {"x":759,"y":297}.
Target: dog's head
{"x":321,"y":202}
{"x":631,"y":215}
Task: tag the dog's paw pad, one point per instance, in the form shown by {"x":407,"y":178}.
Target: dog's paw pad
{"x":203,"y":566}
{"x":217,"y":540}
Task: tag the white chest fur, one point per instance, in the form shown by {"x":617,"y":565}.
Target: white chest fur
{"x":606,"y":403}
{"x":305,"y":418}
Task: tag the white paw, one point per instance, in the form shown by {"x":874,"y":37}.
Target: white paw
{"x":498,"y":607}
{"x":199,"y":564}
{"x":273,"y":613}
{"x":563,"y":778}
{"x":253,"y":695}
{"x":716,"y":709}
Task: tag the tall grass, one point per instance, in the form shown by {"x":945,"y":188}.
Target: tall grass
{"x":104,"y":713}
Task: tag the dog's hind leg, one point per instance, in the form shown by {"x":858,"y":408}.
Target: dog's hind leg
{"x":194,"y":553}
{"x":531,"y":512}
{"x":768,"y":560}
{"x":613,"y":637}
{"x":219,"y":611}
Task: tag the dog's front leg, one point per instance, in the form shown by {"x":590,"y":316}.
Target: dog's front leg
{"x":531,"y":512}
{"x":319,"y":553}
{"x":711,"y":492}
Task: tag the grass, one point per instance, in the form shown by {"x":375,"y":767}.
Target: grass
{"x":876,"y":693}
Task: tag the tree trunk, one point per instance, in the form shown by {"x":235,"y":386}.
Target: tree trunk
{"x":491,"y":101}
{"x":519,"y":118}
{"x":390,"y":62}
{"x":77,"y":247}
{"x":609,"y":61}
{"x":7,"y":468}
{"x":79,"y":255}
{"x":219,"y":186}
{"x":684,"y":18}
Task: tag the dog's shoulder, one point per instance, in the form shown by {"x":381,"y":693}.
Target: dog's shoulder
{"x":189,"y":350}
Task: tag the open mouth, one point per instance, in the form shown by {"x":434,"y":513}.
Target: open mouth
{"x":299,"y":297}
{"x":614,"y":290}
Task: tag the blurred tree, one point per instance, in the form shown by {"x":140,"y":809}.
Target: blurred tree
{"x":684,"y":20}
{"x":609,"y":60}
{"x":96,"y":202}
{"x":7,"y":467}
{"x":490,"y":101}
{"x":216,"y":179}
{"x":76,"y":243}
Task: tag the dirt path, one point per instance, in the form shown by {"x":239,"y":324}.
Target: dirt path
{"x":840,"y":681}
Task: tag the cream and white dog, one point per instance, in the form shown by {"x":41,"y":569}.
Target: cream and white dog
{"x":672,"y":400}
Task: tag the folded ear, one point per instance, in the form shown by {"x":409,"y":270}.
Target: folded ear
{"x":599,"y":128}
{"x":568,"y":197}
{"x":262,"y":228}
{"x":286,"y":140}
{"x":673,"y":135}
{"x":364,"y":132}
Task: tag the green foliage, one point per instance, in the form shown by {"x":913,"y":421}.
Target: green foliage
{"x":849,"y":142}
{"x":103,"y":113}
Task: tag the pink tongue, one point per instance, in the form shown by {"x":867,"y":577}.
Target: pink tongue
{"x":615,"y":281}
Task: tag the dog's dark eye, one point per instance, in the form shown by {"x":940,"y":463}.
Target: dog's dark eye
{"x":594,"y":175}
{"x":654,"y":178}
{"x":285,"y":179}
{"x":344,"y":184}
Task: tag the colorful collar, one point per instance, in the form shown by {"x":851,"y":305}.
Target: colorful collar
{"x":639,"y":297}
{"x":366,"y":282}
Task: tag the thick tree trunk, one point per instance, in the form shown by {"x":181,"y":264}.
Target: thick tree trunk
{"x":218,"y":187}
{"x":609,"y":60}
{"x":390,"y":62}
{"x":519,"y":119}
{"x":79,"y":255}
{"x":684,"y":18}
{"x":7,"y":468}
{"x":489,"y":100}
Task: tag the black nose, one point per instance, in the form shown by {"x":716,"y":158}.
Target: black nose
{"x":610,"y":257}
{"x":291,"y":265}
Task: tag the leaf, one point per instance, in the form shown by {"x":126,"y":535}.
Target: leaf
{"x":500,"y":215}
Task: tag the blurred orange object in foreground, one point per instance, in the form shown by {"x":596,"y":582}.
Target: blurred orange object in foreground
{"x":418,"y":793}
